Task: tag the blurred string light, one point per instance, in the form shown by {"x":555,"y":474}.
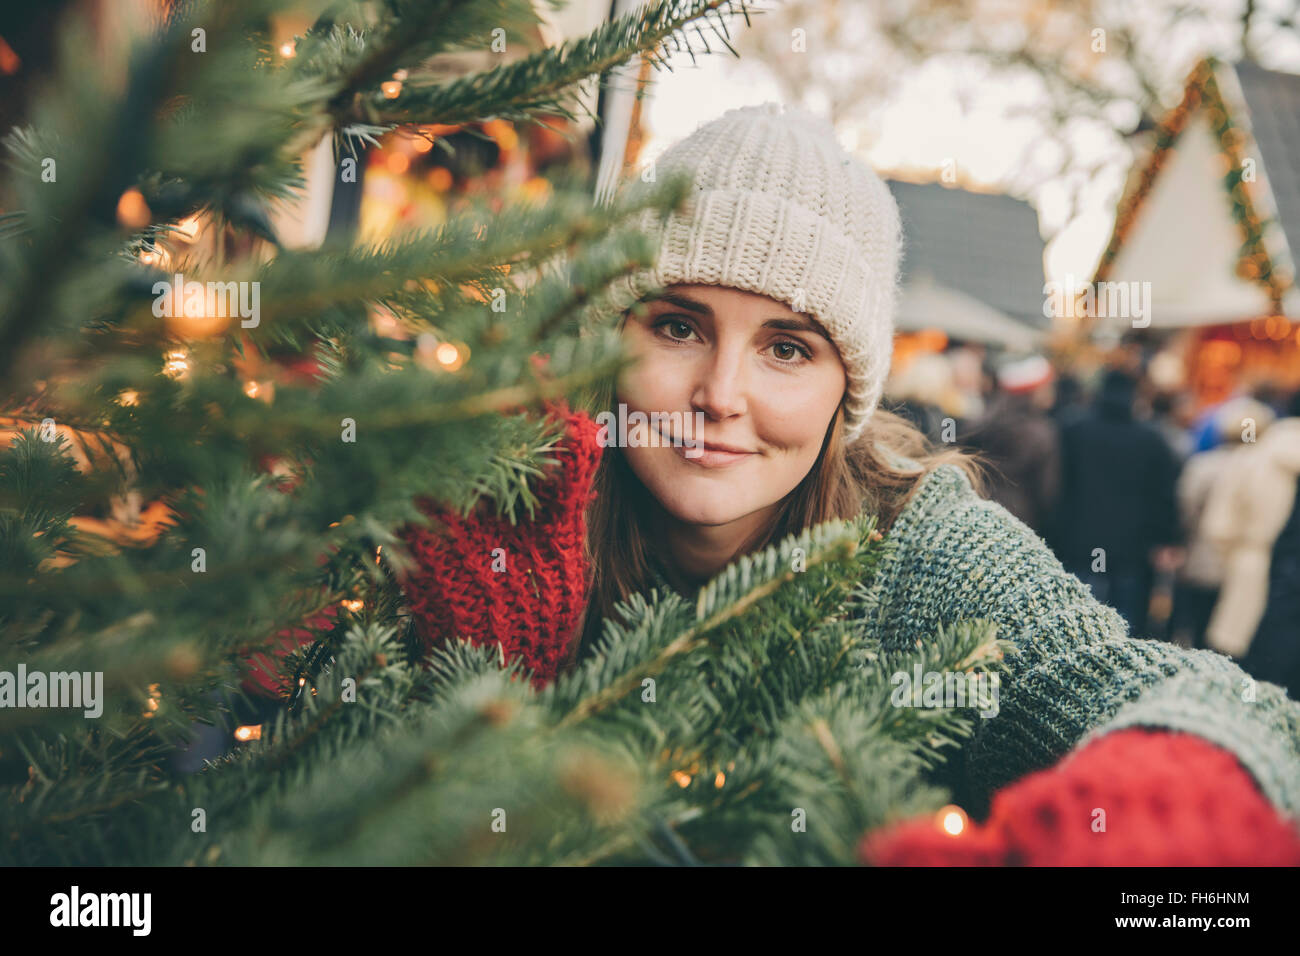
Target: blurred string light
{"x":176,"y":363}
{"x":503,"y":133}
{"x":249,"y":732}
{"x":151,"y":703}
{"x":262,"y":391}
{"x":449,"y":356}
{"x":444,"y":356}
{"x":132,"y":211}
{"x":439,"y":179}
{"x":156,"y":257}
{"x":952,"y":820}
{"x":289,"y":49}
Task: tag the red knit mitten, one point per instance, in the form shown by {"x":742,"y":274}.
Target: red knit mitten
{"x":264,"y":667}
{"x":1134,"y":797}
{"x":524,"y":586}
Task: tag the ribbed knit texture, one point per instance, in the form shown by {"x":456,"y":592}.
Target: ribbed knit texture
{"x":1078,"y":675}
{"x":1131,"y":798}
{"x":779,"y":208}
{"x":533,"y":606}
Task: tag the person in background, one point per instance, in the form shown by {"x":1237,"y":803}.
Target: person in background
{"x":1069,"y":403}
{"x":1117,"y":523}
{"x":1274,"y":396}
{"x":1240,"y":422}
{"x":1021,"y":442}
{"x":968,"y":376}
{"x":1253,"y":517}
{"x":923,"y":392}
{"x":1172,"y":415}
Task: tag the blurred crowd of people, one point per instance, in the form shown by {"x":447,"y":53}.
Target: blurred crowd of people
{"x":1186,"y":522}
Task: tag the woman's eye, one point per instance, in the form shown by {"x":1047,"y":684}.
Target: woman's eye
{"x":789,"y":352}
{"x":677,"y":331}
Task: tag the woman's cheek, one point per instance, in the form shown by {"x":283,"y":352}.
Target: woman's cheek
{"x":649,"y":384}
{"x":785,"y":419}
{"x":784,"y":424}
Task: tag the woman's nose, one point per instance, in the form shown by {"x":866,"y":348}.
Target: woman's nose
{"x":720,"y":393}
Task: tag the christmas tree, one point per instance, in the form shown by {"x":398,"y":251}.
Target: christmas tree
{"x":168,"y":502}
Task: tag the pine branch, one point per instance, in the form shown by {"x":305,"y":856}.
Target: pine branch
{"x":724,"y":599}
{"x":545,"y":82}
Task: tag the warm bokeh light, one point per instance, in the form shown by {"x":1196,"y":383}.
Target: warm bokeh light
{"x":176,"y":363}
{"x":439,"y":179}
{"x":132,"y":211}
{"x":155,"y":694}
{"x":538,"y":187}
{"x":198,"y":326}
{"x":249,"y":732}
{"x":952,"y":820}
{"x":448,"y":355}
{"x":157,"y":258}
{"x":288,"y":49}
{"x":503,"y":133}
{"x":392,"y":89}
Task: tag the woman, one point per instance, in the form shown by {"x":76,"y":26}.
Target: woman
{"x":772,"y":342}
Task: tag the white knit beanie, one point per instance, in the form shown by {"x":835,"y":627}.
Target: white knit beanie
{"x":780,"y":209}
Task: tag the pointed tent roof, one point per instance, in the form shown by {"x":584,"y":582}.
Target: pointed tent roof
{"x":1273,"y":100}
{"x":984,"y":246}
{"x":1234,"y":134}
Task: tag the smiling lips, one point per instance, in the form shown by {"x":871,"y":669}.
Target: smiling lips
{"x":712,"y":455}
{"x":714,"y":459}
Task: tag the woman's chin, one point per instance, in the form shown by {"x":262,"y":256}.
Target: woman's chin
{"x":711,"y":508}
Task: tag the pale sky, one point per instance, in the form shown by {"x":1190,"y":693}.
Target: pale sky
{"x":955,"y":110}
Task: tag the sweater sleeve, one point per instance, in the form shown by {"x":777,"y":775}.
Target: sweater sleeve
{"x":1077,"y":674}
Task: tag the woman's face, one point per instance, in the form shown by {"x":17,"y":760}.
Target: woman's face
{"x":767,"y":380}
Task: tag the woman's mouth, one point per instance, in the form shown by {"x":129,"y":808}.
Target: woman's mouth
{"x":711,"y":455}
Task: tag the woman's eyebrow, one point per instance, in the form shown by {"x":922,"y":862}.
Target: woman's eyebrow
{"x":796,"y":325}
{"x":700,"y":308}
{"x":682,"y":302}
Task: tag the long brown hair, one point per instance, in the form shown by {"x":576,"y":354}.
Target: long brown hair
{"x":845,"y":481}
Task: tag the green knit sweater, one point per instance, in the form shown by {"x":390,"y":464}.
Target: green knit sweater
{"x":954,"y":556}
{"x":1078,"y":673}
